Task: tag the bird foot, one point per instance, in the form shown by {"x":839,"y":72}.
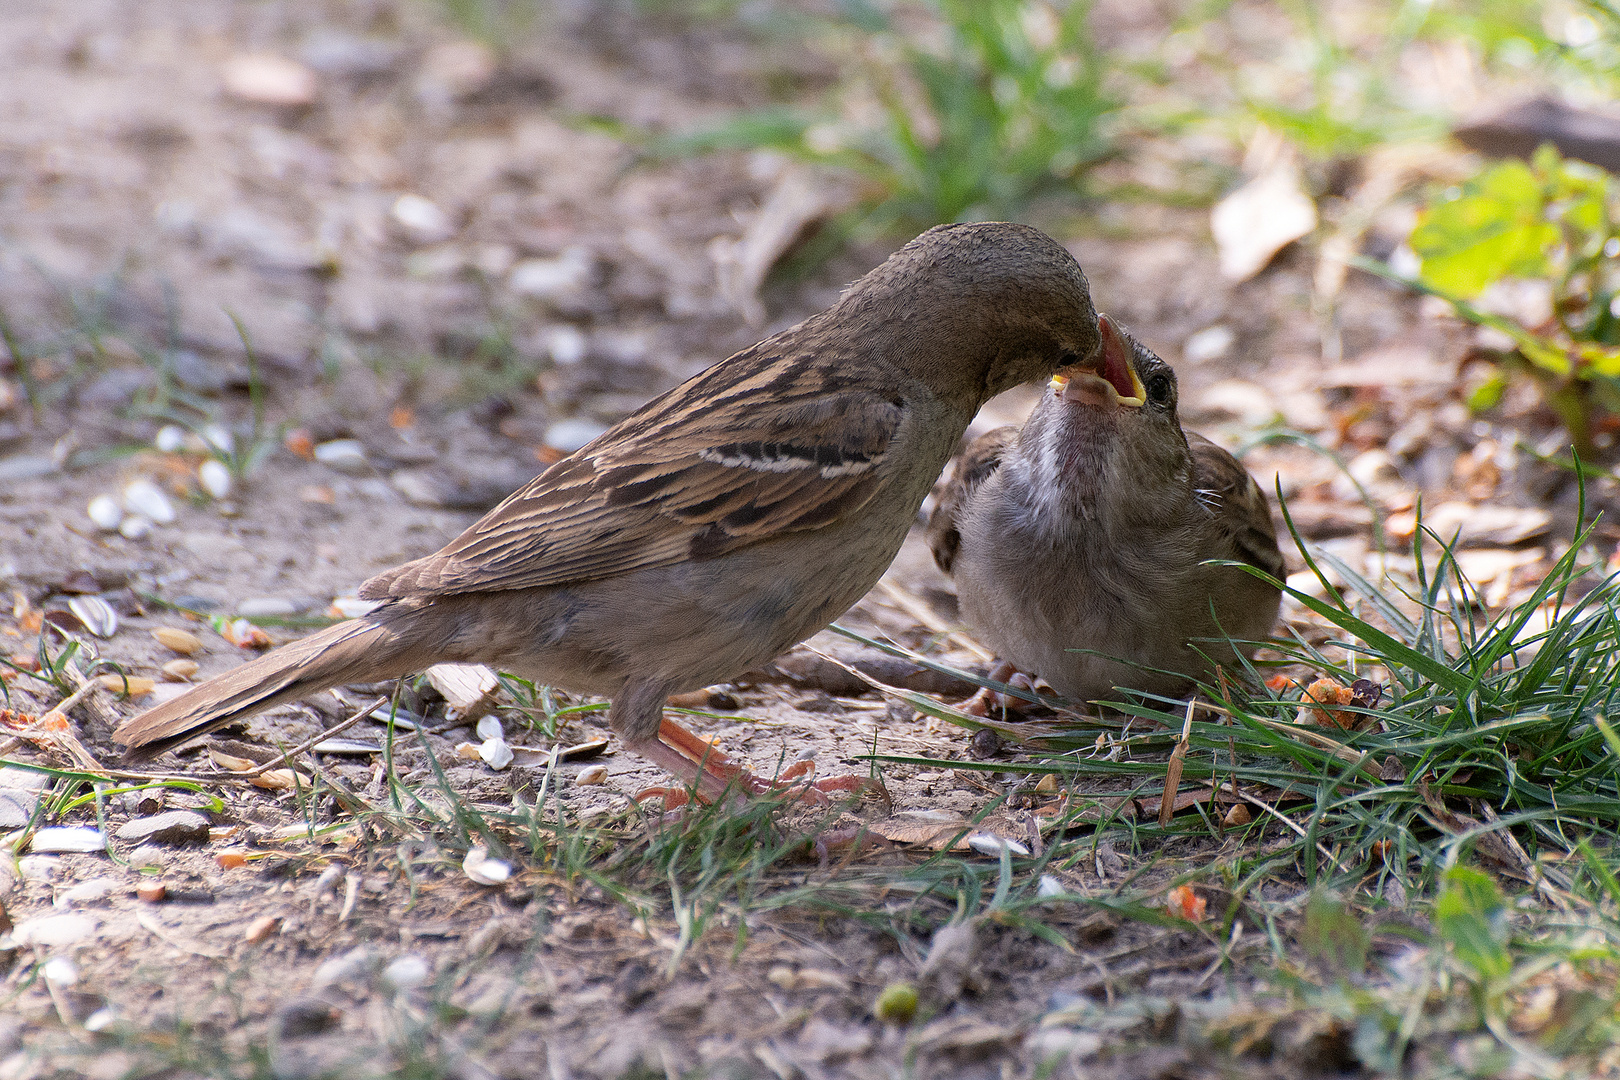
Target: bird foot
{"x":987,"y":701}
{"x":710,"y":775}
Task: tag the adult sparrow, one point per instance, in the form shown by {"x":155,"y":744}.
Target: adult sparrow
{"x":1078,"y":544}
{"x":719,"y":524}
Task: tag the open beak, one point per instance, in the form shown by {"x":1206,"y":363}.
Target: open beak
{"x":1110,"y":379}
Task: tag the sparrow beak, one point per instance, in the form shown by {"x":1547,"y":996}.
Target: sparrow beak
{"x":1109,"y":379}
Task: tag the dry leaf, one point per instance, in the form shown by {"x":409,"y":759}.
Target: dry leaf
{"x":1261,"y":218}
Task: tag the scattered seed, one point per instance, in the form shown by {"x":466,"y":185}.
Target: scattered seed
{"x":1048,"y":785}
{"x":1238,"y":815}
{"x":96,"y":614}
{"x":183,"y":642}
{"x":215,"y":478}
{"x":261,"y":928}
{"x":229,"y":860}
{"x":146,"y":498}
{"x":129,"y":685}
{"x":105,"y":512}
{"x":467,"y":751}
{"x":180,"y":670}
{"x":592,"y":775}
{"x":344,"y":455}
{"x":277,"y":780}
{"x":135,"y":527}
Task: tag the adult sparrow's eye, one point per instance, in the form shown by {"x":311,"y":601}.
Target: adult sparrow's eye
{"x":1160,"y":389}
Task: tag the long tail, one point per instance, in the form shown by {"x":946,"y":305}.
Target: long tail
{"x":361,"y":650}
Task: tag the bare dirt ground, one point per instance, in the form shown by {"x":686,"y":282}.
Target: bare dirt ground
{"x":552,"y":284}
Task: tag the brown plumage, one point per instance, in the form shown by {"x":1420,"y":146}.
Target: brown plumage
{"x":722,"y":522}
{"x":1077,"y":543}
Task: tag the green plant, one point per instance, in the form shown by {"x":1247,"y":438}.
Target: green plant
{"x":1551,"y":221}
{"x":1006,"y":104}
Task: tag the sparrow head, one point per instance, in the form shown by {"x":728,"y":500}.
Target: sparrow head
{"x":973,"y":310}
{"x":1107,"y":429}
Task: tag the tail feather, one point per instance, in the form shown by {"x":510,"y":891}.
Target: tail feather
{"x":361,"y":650}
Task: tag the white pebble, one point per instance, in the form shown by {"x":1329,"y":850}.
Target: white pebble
{"x":220,"y":438}
{"x":171,"y":438}
{"x":345,"y":455}
{"x":549,"y":279}
{"x":566,"y":344}
{"x":135,"y":526}
{"x":59,"y":971}
{"x":496,"y":754}
{"x":490,"y":728}
{"x":88,"y":892}
{"x":100,"y":1020}
{"x":423,"y":218}
{"x":146,"y":498}
{"x":482,"y":869}
{"x":406,"y":972}
{"x":215,"y":478}
{"x":53,"y":931}
{"x":59,"y":838}
{"x":105,"y":512}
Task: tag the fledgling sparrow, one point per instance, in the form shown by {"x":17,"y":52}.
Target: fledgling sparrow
{"x":1078,"y":543}
{"x":721,"y":523}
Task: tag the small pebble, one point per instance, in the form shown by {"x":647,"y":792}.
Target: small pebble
{"x":53,"y":931}
{"x":147,"y":499}
{"x":105,"y":512}
{"x":174,"y":639}
{"x":566,"y":344}
{"x":985,"y":743}
{"x":171,"y":439}
{"x":1049,"y":887}
{"x":172,"y":827}
{"x":569,"y":435}
{"x":215,"y":478}
{"x":344,"y":455}
{"x":406,"y":972}
{"x":424,"y":219}
{"x":88,"y":892}
{"x":268,"y":79}
{"x":60,"y":972}
{"x":135,"y":527}
{"x":592,"y":775}
{"x":38,"y":867}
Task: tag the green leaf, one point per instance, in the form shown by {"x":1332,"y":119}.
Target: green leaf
{"x":1496,"y":228}
{"x":1471,"y":917}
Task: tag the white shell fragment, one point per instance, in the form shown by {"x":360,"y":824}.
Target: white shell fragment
{"x":490,"y":728}
{"x":67,"y":838}
{"x":496,"y":754}
{"x":483,"y":870}
{"x":96,"y":614}
{"x":105,"y":512}
{"x":990,"y":844}
{"x":135,"y":526}
{"x":214,"y":478}
{"x":147,"y":499}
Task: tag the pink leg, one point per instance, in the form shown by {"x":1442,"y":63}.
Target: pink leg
{"x":701,"y":766}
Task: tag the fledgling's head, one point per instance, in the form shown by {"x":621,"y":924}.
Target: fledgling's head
{"x":1108,"y":429}
{"x":976,"y":309}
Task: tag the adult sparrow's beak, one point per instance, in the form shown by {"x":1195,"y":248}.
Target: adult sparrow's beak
{"x":1110,"y":379}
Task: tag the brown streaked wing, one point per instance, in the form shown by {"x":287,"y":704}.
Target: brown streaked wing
{"x":1243,"y":512}
{"x":973,"y":467}
{"x":725,"y":460}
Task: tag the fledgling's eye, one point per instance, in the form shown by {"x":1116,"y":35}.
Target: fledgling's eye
{"x":1160,"y":389}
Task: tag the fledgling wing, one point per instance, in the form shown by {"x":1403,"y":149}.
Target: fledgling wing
{"x":753,"y":448}
{"x":974,"y":466}
{"x":1241,"y":511}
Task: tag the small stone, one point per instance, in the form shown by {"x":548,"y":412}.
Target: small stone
{"x":60,"y":972}
{"x":214,"y":478}
{"x":174,"y":639}
{"x":89,"y":892}
{"x":985,"y":743}
{"x":406,"y":972}
{"x":1211,"y":343}
{"x":172,"y":827}
{"x":553,"y":279}
{"x":59,"y":839}
{"x":268,"y":79}
{"x":1049,"y":887}
{"x":571,"y":434}
{"x":218,"y":437}
{"x":53,"y":931}
{"x":260,"y":929}
{"x":171,"y":439}
{"x":592,"y":775}
{"x":423,"y":219}
{"x":180,"y":670}
{"x":38,"y":867}
{"x":147,"y":499}
{"x":105,"y":512}
{"x":260,"y":607}
{"x":135,"y":527}
{"x":344,"y":455}
{"x":566,"y":344}
{"x":19,"y":796}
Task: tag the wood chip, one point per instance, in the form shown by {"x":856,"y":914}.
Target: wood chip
{"x":468,"y":689}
